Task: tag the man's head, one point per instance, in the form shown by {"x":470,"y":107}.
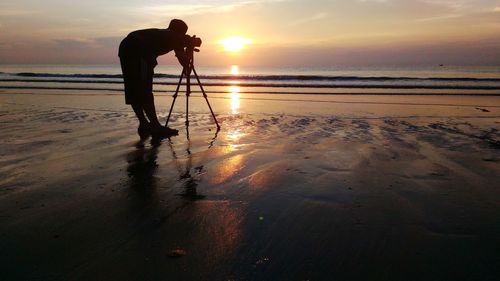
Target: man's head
{"x":178,"y":26}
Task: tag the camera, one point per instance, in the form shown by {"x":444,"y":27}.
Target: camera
{"x":192,"y":42}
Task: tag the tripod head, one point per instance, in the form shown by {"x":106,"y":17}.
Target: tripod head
{"x":192,"y":43}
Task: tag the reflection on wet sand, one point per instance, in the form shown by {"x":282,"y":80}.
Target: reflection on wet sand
{"x":142,"y":165}
{"x":207,"y":227}
{"x":232,"y":138}
{"x":142,"y":180}
{"x":217,"y":235}
{"x":234,"y":91}
{"x":186,"y":174}
{"x":235,"y":99}
{"x":208,"y":230}
{"x":227,"y":169}
{"x":234,"y":133}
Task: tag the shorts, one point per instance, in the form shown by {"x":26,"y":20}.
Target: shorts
{"x":138,"y":79}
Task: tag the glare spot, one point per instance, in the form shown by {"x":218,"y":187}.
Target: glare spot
{"x":235,"y":43}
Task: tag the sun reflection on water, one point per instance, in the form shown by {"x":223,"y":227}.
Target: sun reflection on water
{"x":234,"y":134}
{"x":234,"y":90}
{"x":234,"y":94}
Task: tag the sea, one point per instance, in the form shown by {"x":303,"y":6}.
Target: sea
{"x":333,"y":80}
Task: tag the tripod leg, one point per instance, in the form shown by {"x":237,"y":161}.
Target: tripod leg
{"x":206,"y":98}
{"x":188,"y":93}
{"x":175,"y":97}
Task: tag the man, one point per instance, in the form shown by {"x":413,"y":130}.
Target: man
{"x":138,"y":53}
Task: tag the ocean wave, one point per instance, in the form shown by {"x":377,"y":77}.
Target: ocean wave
{"x":164,"y":92}
{"x":266,"y":77}
{"x":120,"y":90}
{"x":280,"y":85}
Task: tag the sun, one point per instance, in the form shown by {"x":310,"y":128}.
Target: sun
{"x":234,"y":43}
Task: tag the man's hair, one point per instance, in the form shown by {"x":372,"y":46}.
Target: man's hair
{"x":178,"y":26}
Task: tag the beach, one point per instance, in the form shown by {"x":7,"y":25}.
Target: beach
{"x":313,"y":140}
{"x":293,"y":187}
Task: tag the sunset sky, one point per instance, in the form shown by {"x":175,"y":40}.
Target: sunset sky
{"x":279,"y":32}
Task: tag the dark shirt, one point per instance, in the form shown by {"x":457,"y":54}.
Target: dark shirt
{"x":151,"y":43}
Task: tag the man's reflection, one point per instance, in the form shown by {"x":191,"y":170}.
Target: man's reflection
{"x":143,"y":166}
{"x":141,"y":170}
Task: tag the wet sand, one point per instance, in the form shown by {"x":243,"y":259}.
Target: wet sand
{"x":338,"y":188}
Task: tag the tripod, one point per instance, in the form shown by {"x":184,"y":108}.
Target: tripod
{"x":190,"y":52}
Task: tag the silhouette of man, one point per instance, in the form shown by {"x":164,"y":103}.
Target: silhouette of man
{"x":138,"y":53}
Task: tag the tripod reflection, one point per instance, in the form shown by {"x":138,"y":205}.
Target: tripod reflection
{"x":189,"y":176}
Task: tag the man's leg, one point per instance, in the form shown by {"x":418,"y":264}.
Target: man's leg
{"x":148,"y":105}
{"x":132,"y":82}
{"x":150,"y":110}
{"x":147,"y":71}
{"x":144,"y":129}
{"x":156,"y":128}
{"x":139,"y":112}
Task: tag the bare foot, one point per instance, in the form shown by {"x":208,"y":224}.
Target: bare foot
{"x":144,"y":131}
{"x":164,"y":132}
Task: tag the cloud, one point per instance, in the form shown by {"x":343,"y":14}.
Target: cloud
{"x":73,"y":44}
{"x":464,"y":6}
{"x":174,"y":10}
{"x":312,"y":18}
{"x":16,"y":12}
{"x":108,"y":41}
{"x":86,"y":43}
{"x":454,"y":4}
{"x":441,"y":17}
{"x":482,"y":52}
{"x":189,"y":8}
